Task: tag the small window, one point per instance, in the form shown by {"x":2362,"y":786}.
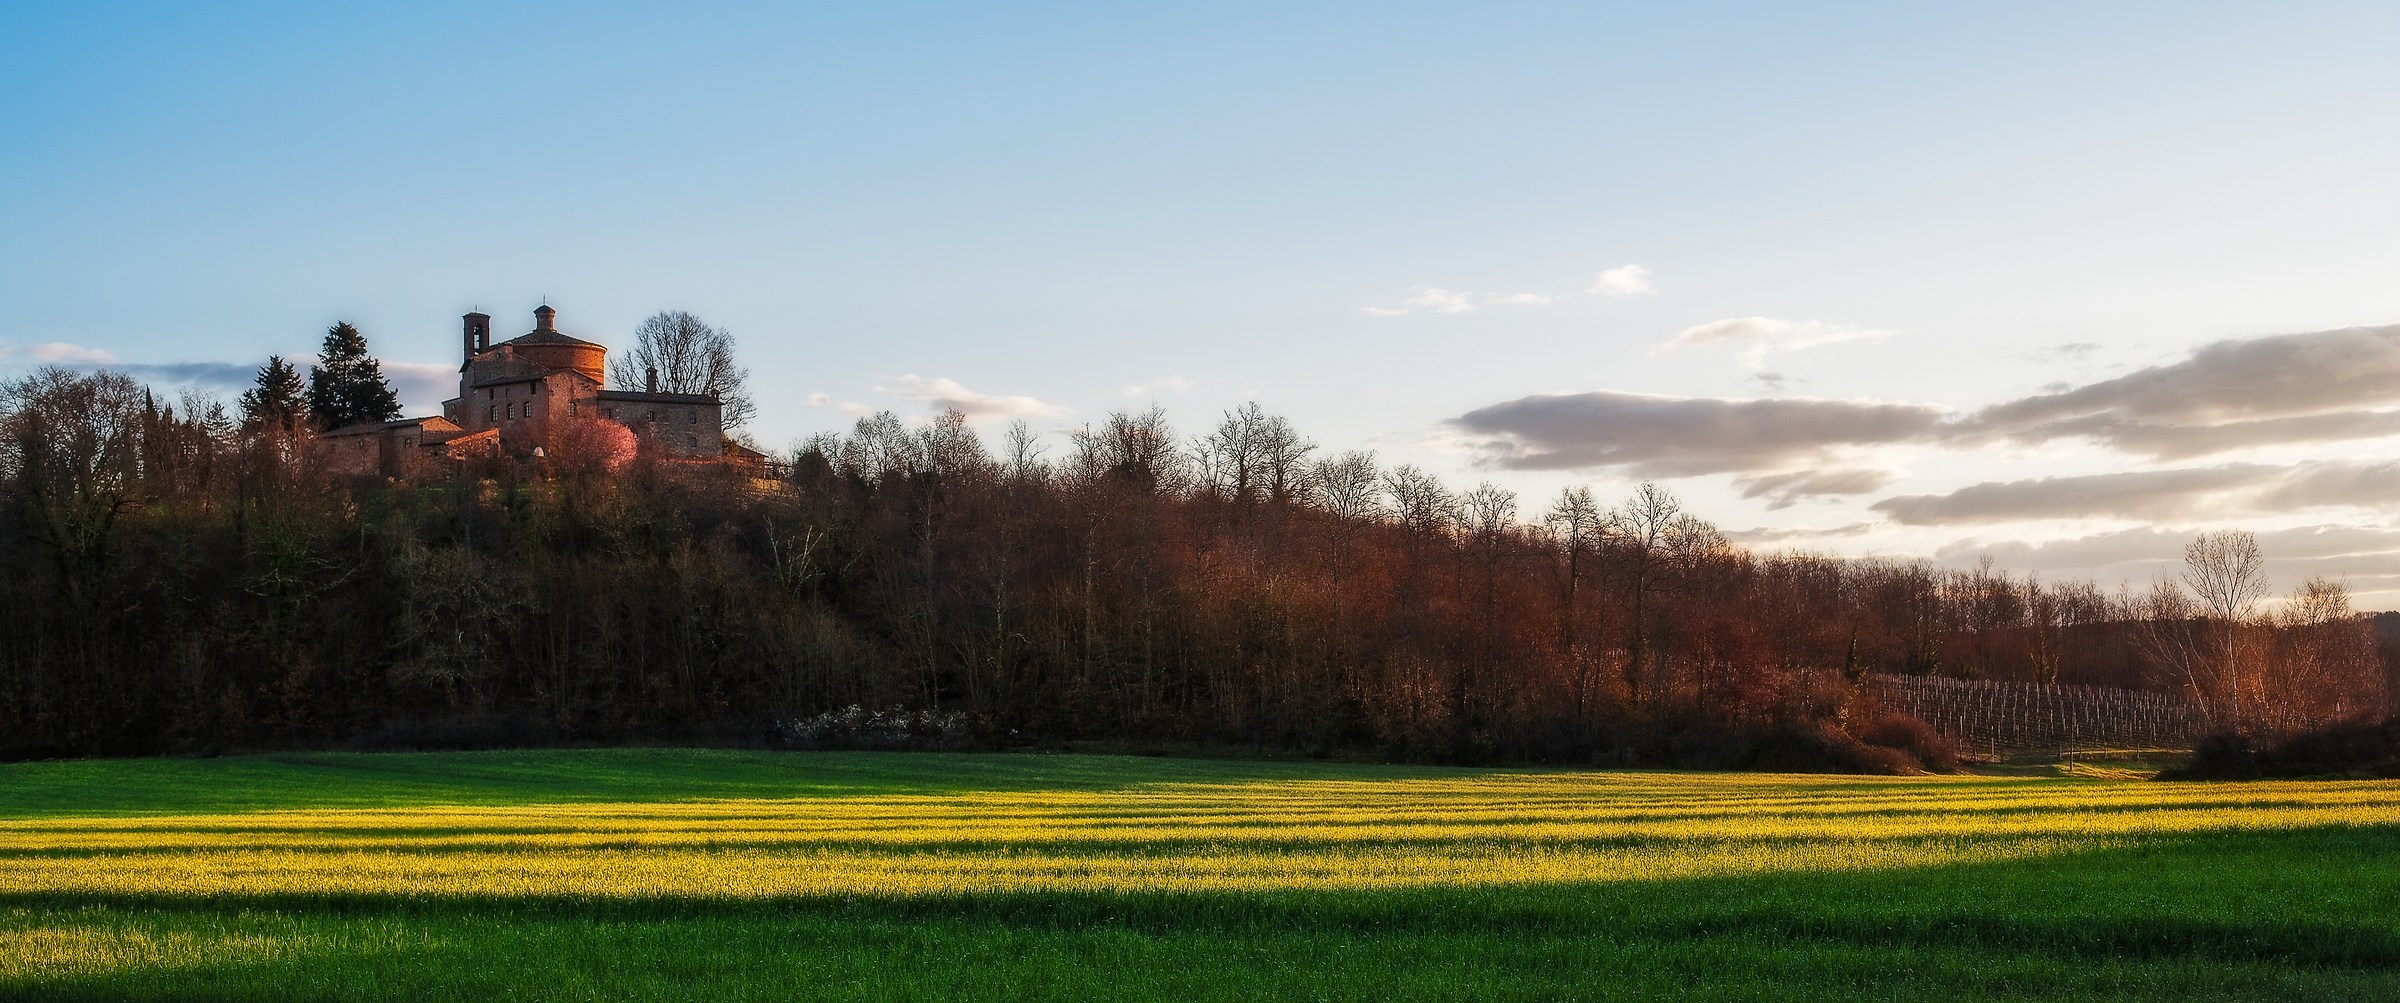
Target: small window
{"x":612,"y":412}
{"x":495,"y":410}
{"x":691,"y":417}
{"x":692,"y":441}
{"x":570,"y":409}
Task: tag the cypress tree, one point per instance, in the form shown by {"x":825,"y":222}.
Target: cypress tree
{"x":278,"y":402}
{"x":346,"y":386}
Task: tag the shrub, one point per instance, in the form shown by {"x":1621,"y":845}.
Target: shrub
{"x":855,"y":727}
{"x":2362,"y":749}
{"x":1906,"y":733}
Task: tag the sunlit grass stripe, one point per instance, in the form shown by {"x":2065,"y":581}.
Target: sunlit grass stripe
{"x":753,"y":873}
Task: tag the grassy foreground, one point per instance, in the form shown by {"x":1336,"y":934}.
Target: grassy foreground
{"x":728,"y":875}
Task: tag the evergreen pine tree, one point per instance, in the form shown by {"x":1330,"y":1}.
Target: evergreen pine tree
{"x":279,"y":400}
{"x":216,"y":422}
{"x":346,"y":386}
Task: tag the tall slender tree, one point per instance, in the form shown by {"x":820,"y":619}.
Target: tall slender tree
{"x":346,"y":386}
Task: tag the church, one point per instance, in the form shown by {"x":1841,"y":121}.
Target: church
{"x":518,"y":398}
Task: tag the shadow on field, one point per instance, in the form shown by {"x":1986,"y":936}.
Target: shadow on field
{"x":319,"y":780}
{"x":2227,"y":915}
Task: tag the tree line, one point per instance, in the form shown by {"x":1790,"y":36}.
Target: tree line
{"x":187,"y":581}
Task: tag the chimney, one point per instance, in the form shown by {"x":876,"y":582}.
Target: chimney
{"x":478,"y":333}
{"x":542,"y":317}
{"x":653,"y":379}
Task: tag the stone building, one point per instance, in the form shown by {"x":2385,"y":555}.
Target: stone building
{"x":398,"y":447}
{"x":518,"y":397}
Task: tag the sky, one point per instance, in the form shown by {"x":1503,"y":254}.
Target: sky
{"x":2060,"y":284}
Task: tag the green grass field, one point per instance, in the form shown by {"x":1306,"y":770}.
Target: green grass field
{"x":678,"y":874}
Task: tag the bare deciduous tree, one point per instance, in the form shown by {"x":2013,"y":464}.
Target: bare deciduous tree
{"x":70,"y":443}
{"x":1345,"y":486}
{"x":2225,"y":571}
{"x":689,"y":357}
{"x":1663,"y":546}
{"x":1252,"y":456}
{"x":1579,"y":527}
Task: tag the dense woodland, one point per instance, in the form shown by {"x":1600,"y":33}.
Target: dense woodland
{"x":185,"y":577}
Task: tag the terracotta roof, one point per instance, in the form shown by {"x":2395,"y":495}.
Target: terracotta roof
{"x":548,"y":338}
{"x":371,"y":427}
{"x":448,"y":440}
{"x":640,"y":397}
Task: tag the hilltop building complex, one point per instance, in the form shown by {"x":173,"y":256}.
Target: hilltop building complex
{"x":519,"y":398}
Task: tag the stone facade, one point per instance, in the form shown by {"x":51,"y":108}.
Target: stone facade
{"x":518,"y":397}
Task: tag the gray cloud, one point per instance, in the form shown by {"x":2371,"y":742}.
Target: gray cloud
{"x":1682,"y":436}
{"x":422,"y":386}
{"x":2326,"y":386}
{"x":2226,"y":490}
{"x":2141,"y":494}
{"x":2084,"y":553}
{"x":2368,"y":557}
{"x":1785,"y":488}
{"x":211,"y":376}
{"x":2316,"y":485}
{"x":2322,"y":386}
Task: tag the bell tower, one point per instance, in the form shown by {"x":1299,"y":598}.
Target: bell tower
{"x":478,"y":333}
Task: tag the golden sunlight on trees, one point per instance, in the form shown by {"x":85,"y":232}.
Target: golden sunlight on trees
{"x":188,"y":584}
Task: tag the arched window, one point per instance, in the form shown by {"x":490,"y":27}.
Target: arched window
{"x":495,"y":409}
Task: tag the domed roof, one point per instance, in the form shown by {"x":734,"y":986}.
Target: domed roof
{"x":550,"y":337}
{"x":546,"y":333}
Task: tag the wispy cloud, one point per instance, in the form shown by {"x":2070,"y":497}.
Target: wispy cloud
{"x":55,"y":353}
{"x":943,"y":394}
{"x":1152,"y":388}
{"x":1439,"y":301}
{"x":2072,"y":351}
{"x":1623,"y":280}
{"x":1433,"y":299}
{"x":1759,"y":337}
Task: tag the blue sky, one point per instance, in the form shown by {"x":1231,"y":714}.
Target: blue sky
{"x":1389,"y":222}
